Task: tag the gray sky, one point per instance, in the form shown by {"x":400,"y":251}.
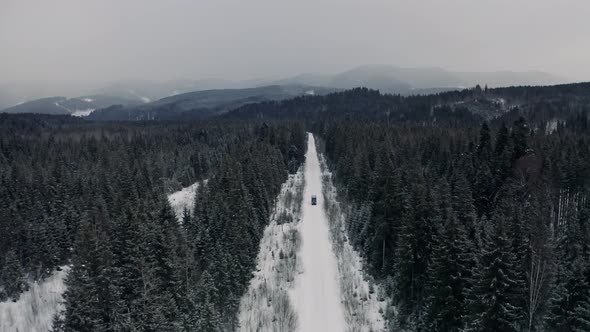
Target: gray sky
{"x":100,"y":40}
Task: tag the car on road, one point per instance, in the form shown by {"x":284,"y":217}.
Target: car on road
{"x":314,"y":200}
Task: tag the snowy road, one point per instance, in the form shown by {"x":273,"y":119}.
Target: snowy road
{"x":316,"y":295}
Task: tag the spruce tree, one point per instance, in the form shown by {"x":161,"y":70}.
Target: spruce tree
{"x":493,"y":300}
{"x":12,"y":276}
{"x":82,"y":297}
{"x":207,"y":317}
{"x":569,"y":308}
{"x":451,"y":268}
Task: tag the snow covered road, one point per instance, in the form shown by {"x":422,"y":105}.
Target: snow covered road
{"x":316,"y":295}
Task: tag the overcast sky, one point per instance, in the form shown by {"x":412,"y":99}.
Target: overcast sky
{"x":107,"y":40}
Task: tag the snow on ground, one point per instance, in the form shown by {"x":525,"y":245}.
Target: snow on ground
{"x":266,"y":305}
{"x":551,"y":126}
{"x":88,"y":100}
{"x":364,"y":300}
{"x":184,"y":199}
{"x":82,"y":113}
{"x":77,"y":113}
{"x":317,"y":297}
{"x":308,"y":276}
{"x":34,"y":310}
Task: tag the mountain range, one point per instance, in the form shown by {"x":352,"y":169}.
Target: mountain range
{"x":200,"y":104}
{"x":80,"y":106}
{"x":398,"y":80}
{"x":140,"y":99}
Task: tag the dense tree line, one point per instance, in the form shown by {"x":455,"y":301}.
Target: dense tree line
{"x":467,"y":107}
{"x":360,"y":104}
{"x":93,"y":196}
{"x":470,"y":230}
{"x":471,"y":225}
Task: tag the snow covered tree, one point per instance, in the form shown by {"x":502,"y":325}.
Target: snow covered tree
{"x":207,"y":317}
{"x":450,"y":271}
{"x":414,"y":249}
{"x":495,"y":298}
{"x":12,"y":276}
{"x":81,"y":297}
{"x":569,"y":308}
{"x":569,"y":303}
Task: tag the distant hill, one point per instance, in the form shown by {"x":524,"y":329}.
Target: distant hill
{"x":539,"y":104}
{"x":148,"y":91}
{"x":80,"y":106}
{"x":407,"y":81}
{"x":201,"y":104}
{"x":385,"y":78}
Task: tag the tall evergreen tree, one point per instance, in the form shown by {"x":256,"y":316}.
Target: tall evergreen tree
{"x":494,"y":300}
{"x":12,"y":276}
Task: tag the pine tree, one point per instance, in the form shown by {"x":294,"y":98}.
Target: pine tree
{"x":414,"y":249}
{"x":81,"y":297}
{"x":484,"y":148}
{"x":569,"y":308}
{"x":451,"y":268}
{"x":126,"y":251}
{"x":57,"y":323}
{"x":161,"y":301}
{"x":12,"y":276}
{"x":502,"y":164}
{"x":462,"y":204}
{"x":520,"y":133}
{"x":570,"y":296}
{"x":207,"y":317}
{"x":494,"y":298}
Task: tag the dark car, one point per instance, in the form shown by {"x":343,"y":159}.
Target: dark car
{"x":314,"y":200}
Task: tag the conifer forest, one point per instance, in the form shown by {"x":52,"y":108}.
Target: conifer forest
{"x":465,"y":222}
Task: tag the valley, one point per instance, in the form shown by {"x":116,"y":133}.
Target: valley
{"x":294,"y":166}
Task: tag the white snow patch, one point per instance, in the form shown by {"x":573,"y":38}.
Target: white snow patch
{"x":551,"y":126}
{"x":500,"y":101}
{"x":365,"y":301}
{"x":266,"y":305}
{"x":184,"y":199}
{"x":317,"y":297}
{"x":310,"y":92}
{"x":34,"y":310}
{"x":145,"y":99}
{"x":88,"y":100}
{"x":82,"y":113}
{"x":320,"y":286}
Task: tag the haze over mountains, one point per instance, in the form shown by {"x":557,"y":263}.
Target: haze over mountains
{"x":391,"y":79}
{"x":80,"y":106}
{"x":387,"y":79}
{"x":200,"y":104}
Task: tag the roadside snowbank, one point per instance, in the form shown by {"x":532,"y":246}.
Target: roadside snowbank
{"x":308,"y":276}
{"x":266,"y":305}
{"x":34,"y":310}
{"x":364,"y":300}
